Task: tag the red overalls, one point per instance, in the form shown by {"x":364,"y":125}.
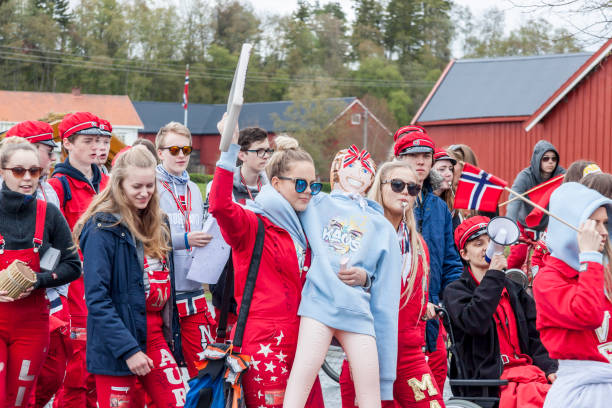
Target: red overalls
{"x":528,"y":386}
{"x":164,"y":384}
{"x":414,"y":385}
{"x":24,"y":326}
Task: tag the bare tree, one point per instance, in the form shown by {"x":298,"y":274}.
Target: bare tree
{"x":591,"y":19}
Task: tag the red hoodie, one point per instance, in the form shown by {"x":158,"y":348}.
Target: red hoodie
{"x":573,"y":312}
{"x":278,"y":291}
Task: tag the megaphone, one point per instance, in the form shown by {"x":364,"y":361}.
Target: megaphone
{"x":503,"y":232}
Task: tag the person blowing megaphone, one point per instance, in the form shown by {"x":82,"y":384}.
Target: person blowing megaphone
{"x":493,"y":318}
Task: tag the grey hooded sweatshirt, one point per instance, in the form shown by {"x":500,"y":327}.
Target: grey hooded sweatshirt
{"x":181,"y":254}
{"x":528,"y":178}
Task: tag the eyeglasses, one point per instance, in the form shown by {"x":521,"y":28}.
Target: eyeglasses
{"x":261,"y":152}
{"x":398,"y":186}
{"x":19,"y":172}
{"x":301,"y":184}
{"x":174,"y":150}
{"x":546,"y":159}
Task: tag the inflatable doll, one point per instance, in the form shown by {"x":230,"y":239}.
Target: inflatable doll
{"x":348,"y":231}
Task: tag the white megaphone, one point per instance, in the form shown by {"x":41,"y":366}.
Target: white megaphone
{"x":503,"y":232}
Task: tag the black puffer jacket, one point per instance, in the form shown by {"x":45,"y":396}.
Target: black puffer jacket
{"x":471,"y":308}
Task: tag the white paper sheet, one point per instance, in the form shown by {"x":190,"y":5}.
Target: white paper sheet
{"x":209,"y":261}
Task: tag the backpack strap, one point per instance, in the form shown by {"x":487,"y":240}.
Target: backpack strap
{"x":39,"y":230}
{"x":228,"y":295}
{"x":66,"y":188}
{"x":249,"y":286}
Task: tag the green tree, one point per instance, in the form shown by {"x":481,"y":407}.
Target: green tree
{"x":235,"y":24}
{"x":367,"y":38}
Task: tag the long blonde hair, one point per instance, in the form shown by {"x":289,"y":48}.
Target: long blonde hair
{"x":418,"y":250}
{"x":148,"y":225}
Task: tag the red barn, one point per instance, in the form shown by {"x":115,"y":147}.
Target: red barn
{"x":348,"y":126}
{"x":501,"y":107}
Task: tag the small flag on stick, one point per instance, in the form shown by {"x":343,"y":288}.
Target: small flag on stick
{"x":478,"y":190}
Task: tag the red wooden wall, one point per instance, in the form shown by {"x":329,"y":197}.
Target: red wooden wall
{"x":579,"y":126}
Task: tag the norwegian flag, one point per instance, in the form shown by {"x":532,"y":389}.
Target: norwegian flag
{"x":186,"y":90}
{"x":478,"y":190}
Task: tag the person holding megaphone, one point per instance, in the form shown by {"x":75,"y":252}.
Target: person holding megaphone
{"x":493,"y":319}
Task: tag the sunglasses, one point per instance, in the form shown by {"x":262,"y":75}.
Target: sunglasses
{"x":19,"y":172}
{"x":398,"y":186}
{"x":546,"y":159}
{"x":174,"y":150}
{"x":261,"y":152}
{"x":301,"y":184}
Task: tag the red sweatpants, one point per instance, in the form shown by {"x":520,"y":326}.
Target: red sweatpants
{"x":163,"y":384}
{"x":517,"y":256}
{"x":79,"y":389}
{"x":197,"y":330}
{"x":24,"y":341}
{"x":414,"y":386}
{"x":53,"y":371}
{"x":272,"y":349}
{"x":437,"y":360}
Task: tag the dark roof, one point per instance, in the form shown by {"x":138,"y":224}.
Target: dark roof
{"x":203,"y":118}
{"x":499,"y":87}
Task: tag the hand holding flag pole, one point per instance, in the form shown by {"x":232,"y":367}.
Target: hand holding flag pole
{"x":479,"y":190}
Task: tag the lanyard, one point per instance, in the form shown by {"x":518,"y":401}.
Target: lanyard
{"x":186,"y":210}
{"x":243,"y":181}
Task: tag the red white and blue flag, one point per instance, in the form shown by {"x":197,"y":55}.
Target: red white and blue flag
{"x":186,"y":90}
{"x":478,"y":190}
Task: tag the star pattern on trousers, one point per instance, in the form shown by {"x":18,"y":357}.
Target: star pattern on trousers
{"x":265,"y":350}
{"x":281,"y":356}
{"x":270,"y":366}
{"x":258,"y":379}
{"x":255,"y":363}
{"x":279,"y":338}
{"x":273,"y":378}
{"x":259,"y":394}
{"x":284,"y":370}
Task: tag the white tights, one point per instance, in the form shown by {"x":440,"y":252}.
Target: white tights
{"x":313,"y":341}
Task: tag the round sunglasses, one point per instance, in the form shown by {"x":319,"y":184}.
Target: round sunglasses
{"x":399,"y":185}
{"x":19,"y":172}
{"x":174,"y":150}
{"x":301,"y":184}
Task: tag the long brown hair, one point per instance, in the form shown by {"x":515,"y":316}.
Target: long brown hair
{"x":602,"y":183}
{"x":418,"y":250}
{"x":148,"y":225}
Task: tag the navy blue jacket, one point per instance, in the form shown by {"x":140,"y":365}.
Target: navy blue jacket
{"x":435,"y":224}
{"x":113,"y":269}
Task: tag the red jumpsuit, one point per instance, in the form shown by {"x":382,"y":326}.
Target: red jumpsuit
{"x":528,"y":386}
{"x":164,"y":384}
{"x":414,"y":385}
{"x":24,"y":327}
{"x":271,"y":331}
{"x":78,"y":389}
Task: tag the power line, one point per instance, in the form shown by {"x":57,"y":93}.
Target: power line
{"x":104,"y":65}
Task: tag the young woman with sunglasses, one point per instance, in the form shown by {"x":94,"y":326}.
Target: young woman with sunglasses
{"x":28,"y":229}
{"x":271,"y":332}
{"x":132,"y":326}
{"x":395,"y":188}
{"x":348,"y":231}
{"x":182,"y":200}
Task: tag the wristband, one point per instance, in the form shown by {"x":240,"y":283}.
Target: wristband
{"x":187,"y":242}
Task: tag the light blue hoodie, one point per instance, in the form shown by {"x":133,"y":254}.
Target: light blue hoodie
{"x":339,"y":227}
{"x":573,"y":203}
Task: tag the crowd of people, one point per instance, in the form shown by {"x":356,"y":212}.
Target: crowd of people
{"x":112,"y":315}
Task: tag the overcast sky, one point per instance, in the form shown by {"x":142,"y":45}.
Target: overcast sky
{"x":514,"y":15}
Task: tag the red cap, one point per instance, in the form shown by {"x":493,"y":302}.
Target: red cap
{"x":33,"y":131}
{"x":79,"y":122}
{"x":441,"y":154}
{"x":470,"y":229}
{"x":404,"y":130}
{"x":105,"y":127}
{"x":413,"y":142}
